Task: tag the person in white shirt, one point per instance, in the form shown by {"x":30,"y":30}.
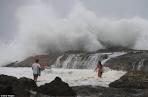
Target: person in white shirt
{"x":36,"y":69}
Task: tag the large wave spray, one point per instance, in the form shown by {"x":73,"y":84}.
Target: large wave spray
{"x":47,"y":26}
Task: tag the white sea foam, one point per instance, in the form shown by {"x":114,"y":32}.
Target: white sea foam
{"x":74,"y":77}
{"x":48,"y":27}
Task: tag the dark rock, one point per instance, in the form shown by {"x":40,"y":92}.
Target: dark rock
{"x":98,"y":91}
{"x":7,"y":84}
{"x":132,"y":61}
{"x":12,"y":64}
{"x":24,"y":87}
{"x":57,"y":88}
{"x":75,"y":51}
{"x":44,"y":60}
{"x":8,"y":80}
{"x":115,"y":49}
{"x":137,"y":80}
{"x":6,"y":90}
{"x":19,"y":87}
{"x":27,"y":84}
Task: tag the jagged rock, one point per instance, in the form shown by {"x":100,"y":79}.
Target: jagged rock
{"x":27,"y":83}
{"x":19,"y":87}
{"x":57,"y":88}
{"x":7,"y":84}
{"x":24,"y":87}
{"x":98,"y":91}
{"x":138,"y":80}
{"x":132,"y":61}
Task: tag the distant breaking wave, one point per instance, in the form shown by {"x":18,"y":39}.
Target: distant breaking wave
{"x":43,"y":28}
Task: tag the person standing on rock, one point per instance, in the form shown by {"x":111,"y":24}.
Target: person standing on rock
{"x":36,"y":67}
{"x":99,"y":69}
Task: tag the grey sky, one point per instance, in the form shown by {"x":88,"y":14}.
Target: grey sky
{"x":8,"y":20}
{"x":118,"y":8}
{"x":103,"y":8}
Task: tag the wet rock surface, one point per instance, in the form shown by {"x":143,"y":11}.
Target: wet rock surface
{"x":57,"y":88}
{"x":137,"y":80}
{"x":7,"y":84}
{"x":132,"y":61}
{"x":97,"y":91}
{"x":47,"y":60}
{"x":132,"y":84}
{"x":19,"y":87}
{"x":126,"y":87}
{"x":25,"y":87}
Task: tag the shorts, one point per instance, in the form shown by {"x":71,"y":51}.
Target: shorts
{"x":35,"y":75}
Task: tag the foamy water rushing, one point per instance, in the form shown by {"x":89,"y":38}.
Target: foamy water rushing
{"x":74,"y":77}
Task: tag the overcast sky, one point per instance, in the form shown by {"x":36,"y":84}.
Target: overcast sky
{"x":102,"y":8}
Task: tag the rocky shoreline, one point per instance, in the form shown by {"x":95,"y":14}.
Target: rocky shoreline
{"x":45,"y":59}
{"x":126,"y":86}
{"x":133,"y":84}
{"x":132,"y":61}
{"x":10,"y":85}
{"x":24,"y":87}
{"x":98,"y":91}
{"x":132,"y":79}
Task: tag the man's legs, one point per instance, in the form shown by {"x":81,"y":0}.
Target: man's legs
{"x":35,"y":77}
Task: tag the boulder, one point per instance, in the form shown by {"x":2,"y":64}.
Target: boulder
{"x":57,"y":88}
{"x":7,"y":84}
{"x":19,"y":87}
{"x":24,"y":87}
{"x":27,"y":84}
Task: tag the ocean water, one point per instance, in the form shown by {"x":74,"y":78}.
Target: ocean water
{"x":74,"y":77}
